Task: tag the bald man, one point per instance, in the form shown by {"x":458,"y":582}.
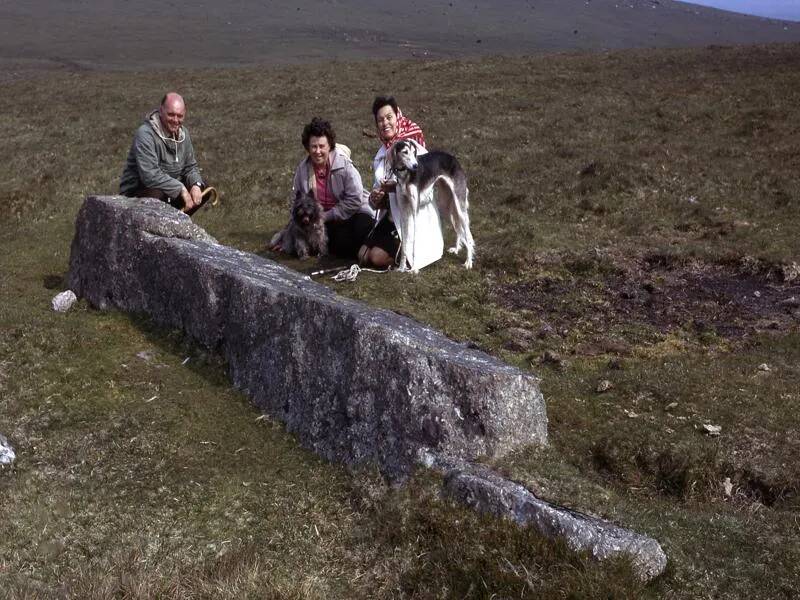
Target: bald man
{"x":161,"y":161}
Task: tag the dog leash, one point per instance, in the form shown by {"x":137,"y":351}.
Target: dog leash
{"x":352,"y":273}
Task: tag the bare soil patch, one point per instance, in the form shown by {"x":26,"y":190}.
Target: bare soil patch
{"x":720,"y":299}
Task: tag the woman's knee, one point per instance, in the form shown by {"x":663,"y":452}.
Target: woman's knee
{"x":378,"y":257}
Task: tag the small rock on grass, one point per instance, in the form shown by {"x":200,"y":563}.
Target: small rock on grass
{"x":764,"y":367}
{"x":145,"y":355}
{"x":727,"y":486}
{"x":712,"y":430}
{"x":7,"y":454}
{"x":604,"y":386}
{"x":63,"y":302}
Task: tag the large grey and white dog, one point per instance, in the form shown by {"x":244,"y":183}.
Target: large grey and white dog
{"x":416,"y":173}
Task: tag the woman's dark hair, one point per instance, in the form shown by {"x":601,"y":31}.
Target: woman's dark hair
{"x":380,"y":102}
{"x":318,"y":128}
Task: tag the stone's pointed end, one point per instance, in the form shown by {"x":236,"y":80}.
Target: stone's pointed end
{"x":485,"y":491}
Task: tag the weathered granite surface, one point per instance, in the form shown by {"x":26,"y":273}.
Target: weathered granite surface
{"x":356,"y":384}
{"x":486,"y":491}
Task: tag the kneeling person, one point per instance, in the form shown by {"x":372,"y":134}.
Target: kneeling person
{"x":161,"y":162}
{"x":330,"y":176}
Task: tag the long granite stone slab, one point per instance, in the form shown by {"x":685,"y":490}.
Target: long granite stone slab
{"x":356,"y":384}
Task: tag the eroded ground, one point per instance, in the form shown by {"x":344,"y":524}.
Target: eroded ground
{"x":655,"y":296}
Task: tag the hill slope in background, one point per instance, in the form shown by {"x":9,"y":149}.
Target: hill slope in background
{"x":118,"y":34}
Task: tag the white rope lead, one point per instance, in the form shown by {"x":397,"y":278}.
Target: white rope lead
{"x":352,"y":273}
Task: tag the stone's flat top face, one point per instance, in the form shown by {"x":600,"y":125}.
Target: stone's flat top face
{"x":356,"y":384}
{"x":154,"y":216}
{"x":157,"y":218}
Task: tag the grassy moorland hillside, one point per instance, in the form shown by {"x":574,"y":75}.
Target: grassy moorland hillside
{"x":636,"y":221}
{"x":122,"y":35}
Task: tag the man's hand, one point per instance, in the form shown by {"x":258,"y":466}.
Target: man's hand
{"x":197,"y":194}
{"x":188,"y":201}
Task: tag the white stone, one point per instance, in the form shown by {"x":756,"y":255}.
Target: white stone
{"x":63,"y":302}
{"x":7,"y":454}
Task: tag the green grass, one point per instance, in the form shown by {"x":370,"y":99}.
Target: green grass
{"x":626,"y":208}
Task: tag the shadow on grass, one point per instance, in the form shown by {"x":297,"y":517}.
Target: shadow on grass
{"x":54,"y":282}
{"x":204,"y":362}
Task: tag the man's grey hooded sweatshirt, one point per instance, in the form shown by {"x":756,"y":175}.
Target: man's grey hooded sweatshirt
{"x":157,"y":160}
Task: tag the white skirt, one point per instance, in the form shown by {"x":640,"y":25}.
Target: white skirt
{"x":427,"y":241}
